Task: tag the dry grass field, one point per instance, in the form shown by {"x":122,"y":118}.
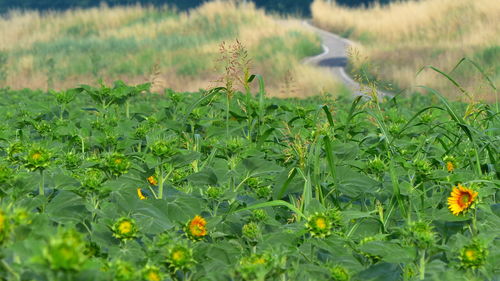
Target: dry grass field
{"x":136,"y":44}
{"x":397,"y":40}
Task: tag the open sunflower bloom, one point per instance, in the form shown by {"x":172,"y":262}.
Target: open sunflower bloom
{"x":461,"y":198}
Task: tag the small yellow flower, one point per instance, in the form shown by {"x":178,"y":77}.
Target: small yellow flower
{"x":152,"y":180}
{"x":196,"y":228}
{"x":140,"y":195}
{"x":449,"y":166}
{"x":461,"y":198}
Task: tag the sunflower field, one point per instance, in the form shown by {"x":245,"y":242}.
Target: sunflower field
{"x":116,"y":183}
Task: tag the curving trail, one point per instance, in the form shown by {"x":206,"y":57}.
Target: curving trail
{"x":334,"y":59}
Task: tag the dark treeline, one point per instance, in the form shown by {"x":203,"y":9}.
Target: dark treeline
{"x":299,"y":7}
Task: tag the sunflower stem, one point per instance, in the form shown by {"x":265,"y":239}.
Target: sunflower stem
{"x":474,"y":221}
{"x":41,"y":190}
{"x":422,"y":264}
{"x":160,"y":182}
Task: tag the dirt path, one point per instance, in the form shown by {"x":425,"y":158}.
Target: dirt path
{"x":334,"y":59}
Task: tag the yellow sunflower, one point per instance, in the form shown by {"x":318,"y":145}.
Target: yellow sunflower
{"x":461,"y":198}
{"x":196,"y":228}
{"x":152,"y":180}
{"x":140,"y":194}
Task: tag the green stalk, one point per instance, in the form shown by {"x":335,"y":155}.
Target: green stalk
{"x":127,"y":109}
{"x":83,"y":144}
{"x":421,"y":267}
{"x":10,"y":270}
{"x":227,"y":116}
{"x":161,"y":180}
{"x":474,"y":223}
{"x":41,"y":190}
{"x":62,"y":111}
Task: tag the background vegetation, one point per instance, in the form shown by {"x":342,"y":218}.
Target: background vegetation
{"x":296,"y":7}
{"x":177,"y":50}
{"x":398,"y":39}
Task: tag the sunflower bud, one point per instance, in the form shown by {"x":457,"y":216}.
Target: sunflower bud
{"x":65,"y":252}
{"x":180,"y":257}
{"x":376,"y":166}
{"x":163,"y":149}
{"x":125,"y":229}
{"x":322,"y":224}
{"x":339,"y":273}
{"x":117,"y":164}
{"x":259,"y":215}
{"x":14,"y":152}
{"x":151,"y":273}
{"x":450,"y":163}
{"x":123,"y":271}
{"x":92,"y":179}
{"x":72,"y":161}
{"x":473,"y":255}
{"x":422,"y":167}
{"x":420,"y":234}
{"x":251,"y":231}
{"x":214,"y":192}
{"x":255,"y":267}
{"x":319,"y":225}
{"x":37,"y":159}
